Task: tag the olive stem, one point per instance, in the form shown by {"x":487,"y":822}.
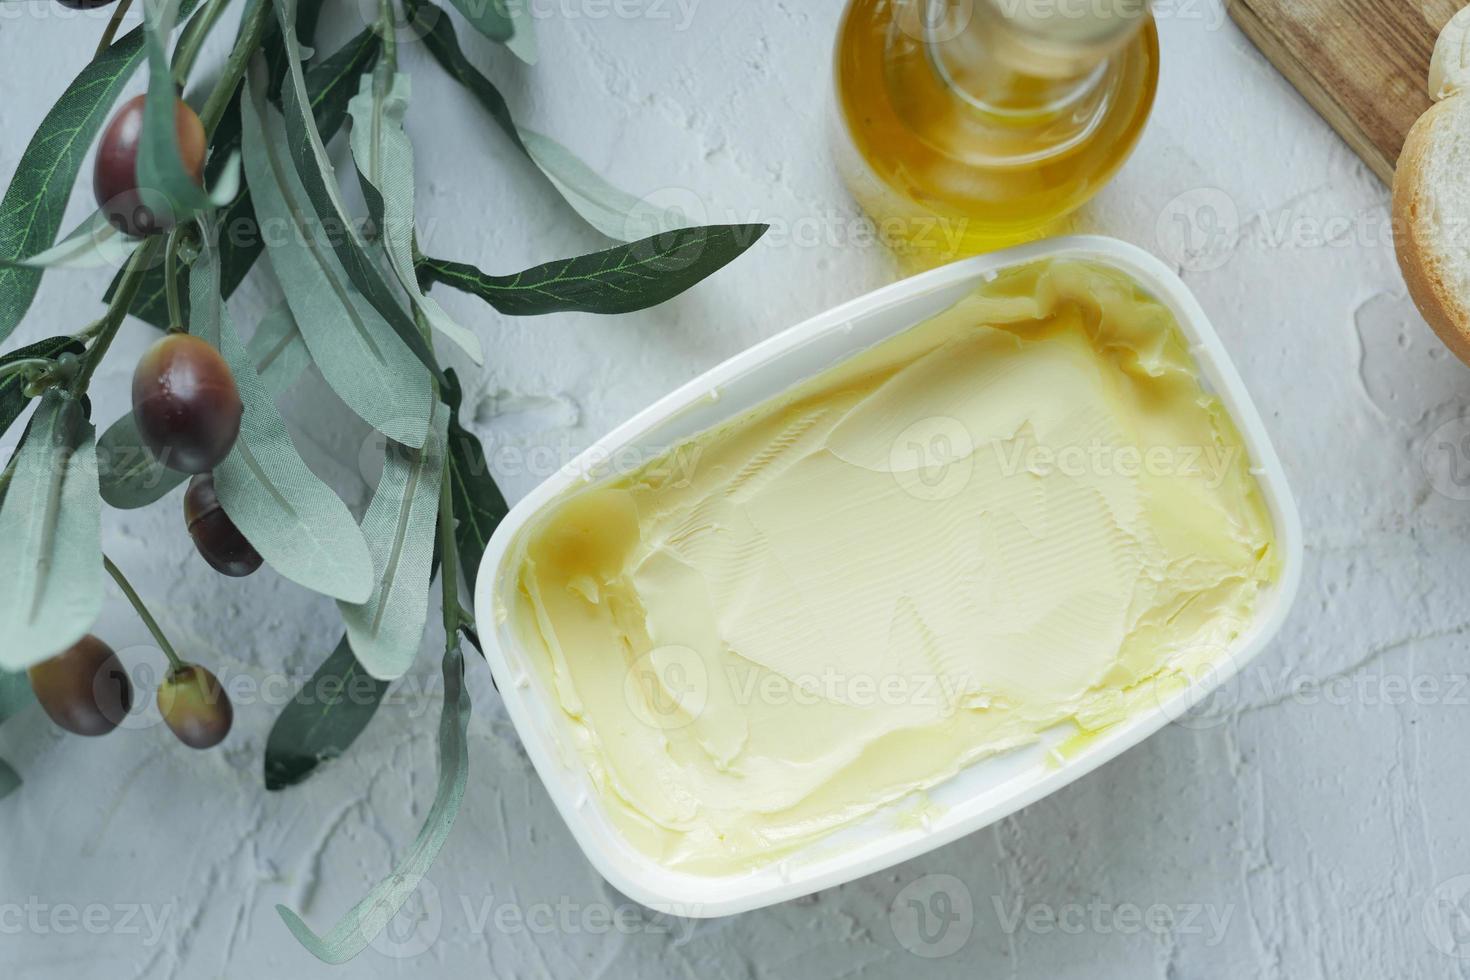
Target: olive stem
{"x":122,"y":581}
{"x":110,"y":32}
{"x":252,"y":32}
{"x":122,"y":301}
{"x":171,"y":284}
{"x":388,"y":32}
{"x":192,"y":39}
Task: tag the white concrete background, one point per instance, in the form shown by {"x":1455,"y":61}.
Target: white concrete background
{"x":1298,"y":828}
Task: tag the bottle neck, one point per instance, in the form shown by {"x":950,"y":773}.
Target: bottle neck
{"x":1026,"y":56}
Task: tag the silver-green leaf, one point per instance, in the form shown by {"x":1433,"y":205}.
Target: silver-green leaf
{"x":51,"y":536}
{"x":614,"y":212}
{"x":362,"y":923}
{"x":522,"y":42}
{"x":358,"y":352}
{"x":9,"y":779}
{"x":94,"y":244}
{"x":133,"y":478}
{"x":491,"y":18}
{"x":384,"y":157}
{"x":291,"y":517}
{"x":387,"y":630}
{"x":15,"y":693}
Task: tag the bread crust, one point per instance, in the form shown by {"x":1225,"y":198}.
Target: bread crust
{"x":1415,"y":239}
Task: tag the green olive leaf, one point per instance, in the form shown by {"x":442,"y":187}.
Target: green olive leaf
{"x":523,"y":42}
{"x":323,"y":720}
{"x":318,"y":178}
{"x":358,"y":353}
{"x":329,"y":85}
{"x":278,"y":351}
{"x":130,"y":476}
{"x":94,"y":244}
{"x":162,"y":179}
{"x":619,"y":280}
{"x":35,"y":201}
{"x":13,"y":400}
{"x":289,"y":515}
{"x":51,"y":536}
{"x":614,"y":212}
{"x":384,"y":158}
{"x":491,"y":18}
{"x":362,"y":923}
{"x":479,"y":506}
{"x":400,"y":525}
{"x":15,"y":693}
{"x":9,"y":779}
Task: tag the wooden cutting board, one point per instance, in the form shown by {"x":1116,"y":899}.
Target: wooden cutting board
{"x":1362,"y":64}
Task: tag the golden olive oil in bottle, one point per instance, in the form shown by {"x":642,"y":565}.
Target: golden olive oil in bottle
{"x":962,"y":126}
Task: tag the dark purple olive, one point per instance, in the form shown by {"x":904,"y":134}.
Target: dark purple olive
{"x":215,"y":536}
{"x":84,"y":689}
{"x":84,"y":4}
{"x":186,"y":404}
{"x":115,"y":172}
{"x":195,"y":707}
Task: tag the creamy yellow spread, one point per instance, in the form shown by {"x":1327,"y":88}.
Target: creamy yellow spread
{"x":1023,"y":513}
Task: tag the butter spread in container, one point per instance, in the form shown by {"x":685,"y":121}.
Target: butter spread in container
{"x":1025,"y":512}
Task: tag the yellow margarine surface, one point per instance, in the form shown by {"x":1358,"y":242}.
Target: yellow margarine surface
{"x":1022,"y":513}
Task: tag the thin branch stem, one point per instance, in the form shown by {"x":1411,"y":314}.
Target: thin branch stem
{"x":252,"y":32}
{"x":122,"y":300}
{"x":171,"y":284}
{"x":110,"y":32}
{"x":193,"y":37}
{"x":388,"y":31}
{"x":143,"y":613}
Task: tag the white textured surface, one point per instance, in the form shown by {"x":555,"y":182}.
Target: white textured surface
{"x":1298,"y":827}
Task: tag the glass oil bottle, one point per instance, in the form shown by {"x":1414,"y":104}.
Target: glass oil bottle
{"x":962,"y":126}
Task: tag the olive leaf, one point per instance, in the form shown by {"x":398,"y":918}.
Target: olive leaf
{"x":479,"y":506}
{"x":94,"y":244}
{"x":329,"y":86}
{"x":130,"y":475}
{"x":286,"y":513}
{"x":13,"y":398}
{"x":35,"y":201}
{"x":400,"y":524}
{"x":490,"y":17}
{"x":362,"y":923}
{"x":324,"y":718}
{"x":358,"y":353}
{"x":160,"y":164}
{"x":9,"y":779}
{"x":318,"y":178}
{"x":384,"y":158}
{"x":15,"y":693}
{"x":523,"y":42}
{"x":51,"y":536}
{"x":619,"y":280}
{"x":616,"y":213}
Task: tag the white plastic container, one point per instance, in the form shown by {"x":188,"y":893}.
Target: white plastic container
{"x":987,"y":790}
